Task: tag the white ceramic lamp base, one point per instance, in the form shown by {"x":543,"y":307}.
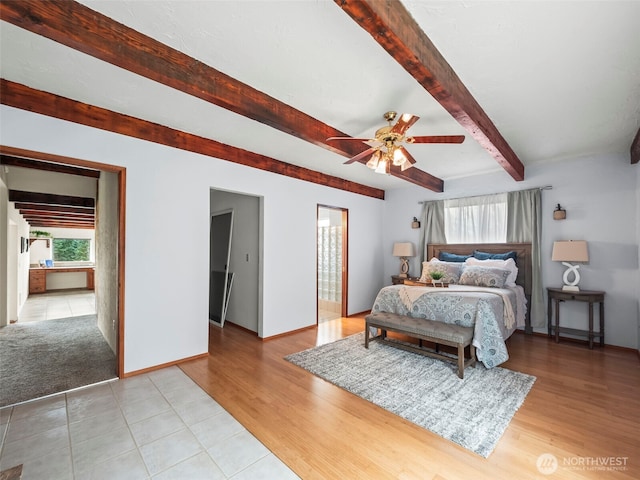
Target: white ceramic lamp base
{"x":571,"y":286}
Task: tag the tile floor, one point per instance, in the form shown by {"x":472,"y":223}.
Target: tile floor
{"x":158,"y":425}
{"x":63,"y":304}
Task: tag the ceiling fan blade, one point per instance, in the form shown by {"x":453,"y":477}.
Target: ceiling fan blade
{"x":360,"y":156}
{"x":439,"y":139}
{"x":404,"y":122}
{"x":348,"y":138}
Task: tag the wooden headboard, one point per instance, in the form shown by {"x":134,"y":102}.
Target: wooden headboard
{"x":523,"y":260}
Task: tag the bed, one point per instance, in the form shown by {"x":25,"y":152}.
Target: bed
{"x":494,"y":312}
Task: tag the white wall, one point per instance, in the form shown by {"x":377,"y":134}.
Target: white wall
{"x":4,"y":235}
{"x":167,"y":236}
{"x":17,"y":270}
{"x":600,"y":195}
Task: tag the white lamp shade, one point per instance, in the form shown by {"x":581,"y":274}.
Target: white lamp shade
{"x":570,"y":251}
{"x":404,"y":249}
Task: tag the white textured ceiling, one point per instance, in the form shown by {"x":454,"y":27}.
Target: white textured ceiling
{"x":558,"y":79}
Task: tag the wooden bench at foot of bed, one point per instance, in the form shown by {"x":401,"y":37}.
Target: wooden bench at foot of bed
{"x":423,"y":329}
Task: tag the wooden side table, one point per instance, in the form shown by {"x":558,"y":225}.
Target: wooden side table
{"x":398,"y":280}
{"x":557,"y":295}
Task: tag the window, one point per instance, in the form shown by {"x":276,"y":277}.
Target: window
{"x":71,"y":249}
{"x":480,"y":219}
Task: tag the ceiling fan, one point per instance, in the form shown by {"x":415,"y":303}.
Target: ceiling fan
{"x":388,"y":149}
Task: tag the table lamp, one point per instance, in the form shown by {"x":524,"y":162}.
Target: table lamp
{"x":567,"y":251}
{"x":403,"y":250}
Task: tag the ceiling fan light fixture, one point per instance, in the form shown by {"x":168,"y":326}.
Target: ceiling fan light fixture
{"x":383,"y":166}
{"x":398,"y":157}
{"x":387,"y":147}
{"x":374,"y":160}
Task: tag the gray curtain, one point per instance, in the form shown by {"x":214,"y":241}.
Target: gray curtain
{"x":524,"y":224}
{"x":432,"y":230}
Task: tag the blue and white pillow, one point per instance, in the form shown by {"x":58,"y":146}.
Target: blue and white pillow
{"x":483,"y":276}
{"x":450,"y":270}
{"x":508,"y":264}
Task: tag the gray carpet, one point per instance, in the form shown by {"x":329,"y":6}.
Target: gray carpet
{"x":41,"y":358}
{"x":473,"y":412}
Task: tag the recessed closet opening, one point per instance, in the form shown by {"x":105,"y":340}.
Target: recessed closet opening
{"x":235,"y":278}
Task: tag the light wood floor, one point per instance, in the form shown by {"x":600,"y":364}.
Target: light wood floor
{"x":583,"y":408}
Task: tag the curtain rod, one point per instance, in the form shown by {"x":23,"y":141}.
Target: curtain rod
{"x":546,"y":187}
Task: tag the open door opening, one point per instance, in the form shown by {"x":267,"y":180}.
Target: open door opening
{"x":331,"y":263}
{"x":106,"y":302}
{"x":220,"y":278}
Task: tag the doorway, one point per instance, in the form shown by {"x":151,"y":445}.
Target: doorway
{"x":243,"y":304}
{"x":110,"y":230}
{"x":331,"y":262}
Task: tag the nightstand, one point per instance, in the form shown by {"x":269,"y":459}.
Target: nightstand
{"x":557,"y":295}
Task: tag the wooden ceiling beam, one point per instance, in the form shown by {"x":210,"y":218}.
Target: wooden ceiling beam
{"x":47,"y":166}
{"x":54,"y":208}
{"x":26,"y":98}
{"x":41,"y":213}
{"x":393,"y":27}
{"x":59,"y":224}
{"x":77,"y":26}
{"x":50,"y":198}
{"x":37,"y":218}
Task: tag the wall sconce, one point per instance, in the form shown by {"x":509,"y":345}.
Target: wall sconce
{"x":415,"y":223}
{"x":559,"y":213}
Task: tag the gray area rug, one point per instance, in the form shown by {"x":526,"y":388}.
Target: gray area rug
{"x":41,"y":358}
{"x":473,"y":412}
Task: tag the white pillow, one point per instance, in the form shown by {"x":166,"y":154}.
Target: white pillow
{"x":483,"y":276}
{"x":508,"y":264}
